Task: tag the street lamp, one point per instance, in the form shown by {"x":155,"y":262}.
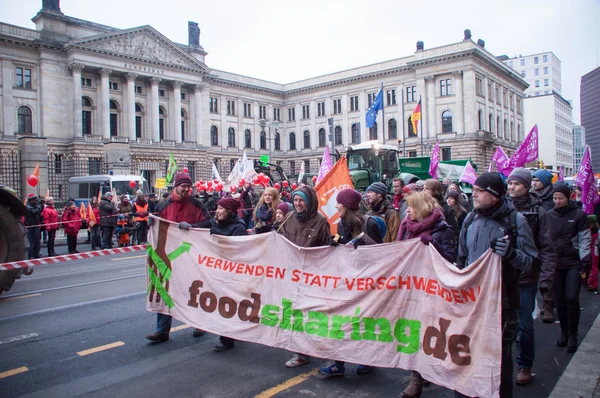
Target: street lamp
{"x":263,"y":124}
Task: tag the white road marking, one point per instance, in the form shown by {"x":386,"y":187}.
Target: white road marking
{"x":17,"y":338}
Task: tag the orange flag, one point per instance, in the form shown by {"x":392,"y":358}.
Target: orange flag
{"x":99,"y":195}
{"x":36,"y":171}
{"x":327,"y":189}
{"x":91,"y":215}
{"x":82,"y":211}
{"x":47,"y":193}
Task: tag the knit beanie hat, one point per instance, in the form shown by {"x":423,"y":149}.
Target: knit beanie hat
{"x":182,"y":178}
{"x":378,"y":187}
{"x":544,"y":176}
{"x":452,"y":194}
{"x":411,"y":188}
{"x":522,"y":176}
{"x":285,"y":207}
{"x":491,"y":182}
{"x":563,"y":188}
{"x":349,"y":198}
{"x":229,"y":204}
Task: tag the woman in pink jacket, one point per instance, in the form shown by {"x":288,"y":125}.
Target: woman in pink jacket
{"x":50,"y":216}
{"x":71,"y":220}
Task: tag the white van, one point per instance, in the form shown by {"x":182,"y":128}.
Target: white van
{"x":82,"y":189}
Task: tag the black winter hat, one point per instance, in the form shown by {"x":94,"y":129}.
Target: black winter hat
{"x":349,"y":198}
{"x":378,"y":187}
{"x":491,"y":182}
{"x":563,"y":188}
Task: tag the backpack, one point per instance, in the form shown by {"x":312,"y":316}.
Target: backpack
{"x":380,"y":225}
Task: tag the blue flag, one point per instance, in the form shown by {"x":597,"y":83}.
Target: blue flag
{"x":374,"y":109}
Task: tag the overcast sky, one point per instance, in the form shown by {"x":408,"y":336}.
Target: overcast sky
{"x":286,"y":41}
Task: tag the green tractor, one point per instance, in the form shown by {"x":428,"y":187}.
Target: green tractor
{"x":13,"y":246}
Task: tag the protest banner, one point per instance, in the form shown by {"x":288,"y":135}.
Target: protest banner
{"x":337,"y":178}
{"x":408,"y":309}
{"x":435,"y":160}
{"x":587,"y":182}
{"x":469,"y":174}
{"x":325,"y":165}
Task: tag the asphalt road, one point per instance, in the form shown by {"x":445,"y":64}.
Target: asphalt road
{"x":78,"y":329}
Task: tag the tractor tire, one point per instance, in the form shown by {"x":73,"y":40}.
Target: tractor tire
{"x":13,"y":246}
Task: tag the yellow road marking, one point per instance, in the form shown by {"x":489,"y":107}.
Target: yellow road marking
{"x":13,"y":372}
{"x":287,"y":384}
{"x":180,"y":327}
{"x":101,"y":348}
{"x":127,"y":258}
{"x":22,"y":297}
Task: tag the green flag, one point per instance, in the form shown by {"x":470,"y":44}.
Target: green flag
{"x":172,"y":168}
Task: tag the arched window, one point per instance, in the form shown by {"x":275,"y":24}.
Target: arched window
{"x":498,"y":127}
{"x":411,"y":128}
{"x":24,"y":119}
{"x":184,"y":118}
{"x":247,"y":139}
{"x":447,"y":122}
{"x":355,"y":134}
{"x":86,"y":116}
{"x":392,"y":129}
{"x":491,"y":123}
{"x":373,"y":132}
{"x":338,"y":135}
{"x":505,"y":130}
{"x":512,"y":131}
{"x":214,"y":136}
{"x":263,"y":140}
{"x":114,"y":118}
{"x":231,"y":165}
{"x":322,"y":141}
{"x":277,"y":142}
{"x":231,"y":137}
{"x":162,"y":114}
{"x":292,"y":140}
{"x":306,"y":139}
{"x":480,"y":118}
{"x":138,"y":121}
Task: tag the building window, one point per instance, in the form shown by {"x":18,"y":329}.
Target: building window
{"x":447,"y":122}
{"x":277,"y":142}
{"x":213,"y":104}
{"x":497,"y":95}
{"x":291,"y":114}
{"x":445,"y":87}
{"x":392,"y":129}
{"x":446,"y":153}
{"x":411,"y":94}
{"x":262,"y":111}
{"x":479,"y":86}
{"x":338,"y":135}
{"x":391,"y":97}
{"x":191,"y":165}
{"x":307,"y":166}
{"x":337,"y":106}
{"x":519,"y":134}
{"x":214,"y":136}
{"x":161,"y":123}
{"x":373,"y":131}
{"x":491,"y":122}
{"x":371,"y":98}
{"x":58,"y":158}
{"x":86,"y":116}
{"x":24,"y":120}
{"x":320,"y":109}
{"x":523,"y":62}
{"x":519,"y":106}
{"x":230,"y":108}
{"x":94,"y":166}
{"x":322,"y":141}
{"x":523,"y":73}
{"x":412,"y":154}
{"x":293,"y":168}
{"x":292,"y":141}
{"x":480,"y":119}
{"x":536,"y":71}
{"x":263,"y":140}
{"x":505,"y":125}
{"x":113,"y":86}
{"x":161,"y":92}
{"x":498,"y":127}
{"x":545,"y":58}
{"x":183,"y":124}
{"x":505,"y":98}
{"x":138,"y":89}
{"x":277,"y":114}
{"x":23,"y":78}
{"x":545,"y":70}
{"x":511,"y":100}
{"x":354,"y":103}
{"x":306,"y":139}
{"x":537,"y":83}
{"x":114,"y":119}
{"x":356,"y":133}
{"x":536,"y":60}
{"x":183,"y":98}
{"x":138,"y":121}
{"x":305,"y":111}
{"x":247,"y":109}
{"x":86,"y":82}
{"x":512,"y":130}
{"x":546,"y":82}
{"x":411,"y":128}
{"x":231,"y":137}
{"x":247,"y":139}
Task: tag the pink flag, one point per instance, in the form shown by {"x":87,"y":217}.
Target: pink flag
{"x":527,"y":151}
{"x":435,"y":159}
{"x":587,"y":182}
{"x":325,"y":165}
{"x":469,"y":175}
{"x":502,"y":162}
{"x":561,"y":173}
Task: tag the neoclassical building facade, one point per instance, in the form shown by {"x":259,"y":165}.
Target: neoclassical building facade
{"x":82,"y":98}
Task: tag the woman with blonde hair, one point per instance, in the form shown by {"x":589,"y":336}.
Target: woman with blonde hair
{"x":425,"y":220}
{"x":264,"y":213}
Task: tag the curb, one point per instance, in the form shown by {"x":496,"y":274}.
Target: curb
{"x":582,"y":376}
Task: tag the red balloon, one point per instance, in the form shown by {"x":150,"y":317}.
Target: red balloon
{"x":294,"y":186}
{"x":32,"y":180}
{"x":209,"y":189}
{"x":216,"y":181}
{"x":186,"y":170}
{"x":286,"y":184}
{"x":232,"y":188}
{"x":314,"y":179}
{"x":277,"y":186}
{"x":219,"y":187}
{"x":198,"y":185}
{"x":201,"y":182}
{"x":209,"y":184}
{"x":242,"y":181}
{"x":257,"y":180}
{"x":132,"y":184}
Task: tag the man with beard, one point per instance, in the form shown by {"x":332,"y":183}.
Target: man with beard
{"x":380,"y":206}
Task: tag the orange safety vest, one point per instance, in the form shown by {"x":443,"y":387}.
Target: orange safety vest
{"x":140,"y":209}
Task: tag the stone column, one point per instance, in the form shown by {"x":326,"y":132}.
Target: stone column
{"x":8,"y":105}
{"x":131,"y":105}
{"x":486,"y":112}
{"x":493,"y":111}
{"x":514,"y":117}
{"x":198,"y":113}
{"x":431,"y":116}
{"x":105,"y":106}
{"x":177,"y":110}
{"x":152,"y":111}
{"x":460,"y":108}
{"x":76,"y":69}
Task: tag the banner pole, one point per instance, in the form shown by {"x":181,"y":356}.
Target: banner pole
{"x":421,"y":118}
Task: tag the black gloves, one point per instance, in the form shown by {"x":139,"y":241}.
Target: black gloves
{"x":333,"y":240}
{"x":502,"y":247}
{"x":150,"y":221}
{"x":426,"y":239}
{"x":184,"y":225}
{"x":587,"y":266}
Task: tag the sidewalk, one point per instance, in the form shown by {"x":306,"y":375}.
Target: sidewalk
{"x":61,"y":238}
{"x":582,"y":376}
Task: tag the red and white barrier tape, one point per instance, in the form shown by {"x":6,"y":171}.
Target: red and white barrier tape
{"x":69,"y":257}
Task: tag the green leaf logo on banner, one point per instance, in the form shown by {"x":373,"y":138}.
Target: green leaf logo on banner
{"x":164,"y":273}
{"x":171,"y":169}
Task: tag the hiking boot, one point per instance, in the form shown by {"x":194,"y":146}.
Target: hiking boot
{"x":296,"y":360}
{"x":572,"y":343}
{"x":415,"y":388}
{"x":158,"y":337}
{"x":198,"y":333}
{"x":363,"y":369}
{"x":223,"y":347}
{"x":548,"y":314}
{"x":524,"y":376}
{"x":332,"y":370}
{"x":562,"y":340}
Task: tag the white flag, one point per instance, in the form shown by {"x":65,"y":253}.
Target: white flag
{"x":234,"y":176}
{"x":301,"y":175}
{"x":247,"y":169}
{"x":215,"y":173}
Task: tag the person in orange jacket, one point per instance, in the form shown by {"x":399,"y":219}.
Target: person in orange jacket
{"x":50,"y":216}
{"x":95,"y":228}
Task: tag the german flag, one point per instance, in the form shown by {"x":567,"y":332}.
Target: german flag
{"x":416,"y":116}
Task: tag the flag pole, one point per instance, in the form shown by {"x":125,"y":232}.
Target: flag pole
{"x":421,"y":118}
{"x":382,"y":114}
{"x":403,"y":119}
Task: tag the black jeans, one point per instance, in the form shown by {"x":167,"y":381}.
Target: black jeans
{"x":510,"y":326}
{"x":567,"y":283}
{"x":72,"y":243}
{"x":142,"y":232}
{"x":33,"y":237}
{"x":228,"y":341}
{"x":96,"y":238}
{"x":51,"y":238}
{"x":107,"y":237}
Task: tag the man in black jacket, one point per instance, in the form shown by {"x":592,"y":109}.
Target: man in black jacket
{"x":108,"y":221}
{"x":32,"y":222}
{"x":529,"y":205}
